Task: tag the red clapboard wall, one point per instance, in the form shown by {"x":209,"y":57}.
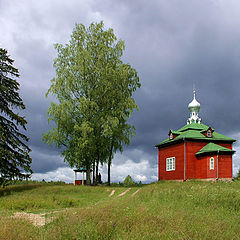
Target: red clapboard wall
{"x":196,"y":167}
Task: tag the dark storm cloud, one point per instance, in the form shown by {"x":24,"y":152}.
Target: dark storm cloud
{"x":45,"y":160}
{"x":171,"y":44}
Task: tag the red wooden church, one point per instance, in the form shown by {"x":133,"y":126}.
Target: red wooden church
{"x":195,"y":151}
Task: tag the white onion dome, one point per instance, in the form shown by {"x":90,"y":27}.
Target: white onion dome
{"x":194,"y":108}
{"x":194,"y":104}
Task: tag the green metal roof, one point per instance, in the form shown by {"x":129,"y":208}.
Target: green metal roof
{"x":194,"y":126}
{"x":194,"y":131}
{"x":175,"y":132}
{"x":205,"y":130}
{"x":212,"y":147}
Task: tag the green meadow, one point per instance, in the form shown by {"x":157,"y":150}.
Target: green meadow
{"x":163,"y":210}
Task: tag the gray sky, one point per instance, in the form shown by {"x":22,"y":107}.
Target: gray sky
{"x":171,"y":44}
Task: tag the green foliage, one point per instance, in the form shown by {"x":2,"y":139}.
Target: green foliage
{"x":237,"y":178}
{"x":14,"y":153}
{"x":128,"y":181}
{"x":94,"y":91}
{"x":27,"y":182}
{"x":22,"y":182}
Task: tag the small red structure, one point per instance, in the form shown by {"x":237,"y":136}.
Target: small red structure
{"x":83,"y":180}
{"x":195,"y":151}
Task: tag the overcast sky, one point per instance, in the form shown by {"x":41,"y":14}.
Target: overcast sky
{"x":172,"y":44}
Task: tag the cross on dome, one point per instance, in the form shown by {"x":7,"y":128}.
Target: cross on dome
{"x":194,"y":108}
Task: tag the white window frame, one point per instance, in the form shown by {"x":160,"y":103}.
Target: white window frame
{"x":211,"y":163}
{"x":170,"y":164}
{"x":171,"y":136}
{"x":209,"y":133}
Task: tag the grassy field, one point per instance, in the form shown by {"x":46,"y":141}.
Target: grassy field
{"x":164,"y":210}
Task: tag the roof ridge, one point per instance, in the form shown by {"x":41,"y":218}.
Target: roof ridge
{"x":196,"y":126}
{"x":191,"y":133}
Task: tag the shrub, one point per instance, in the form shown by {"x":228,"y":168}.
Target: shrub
{"x":238,"y":176}
{"x":128,"y":181}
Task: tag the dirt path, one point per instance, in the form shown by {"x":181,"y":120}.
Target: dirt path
{"x":113,"y":191}
{"x":124,"y":192}
{"x":40,"y":219}
{"x":135,"y":193}
{"x":37,"y":220}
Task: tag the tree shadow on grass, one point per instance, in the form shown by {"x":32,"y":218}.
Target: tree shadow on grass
{"x":18,"y":188}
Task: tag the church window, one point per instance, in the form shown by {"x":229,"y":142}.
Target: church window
{"x":211,"y":163}
{"x":209,"y":133}
{"x":170,"y":164}
{"x":171,"y":136}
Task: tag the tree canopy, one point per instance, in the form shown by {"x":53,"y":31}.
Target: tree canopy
{"x":94,"y":91}
{"x":14,"y":152}
{"x":128,"y":181}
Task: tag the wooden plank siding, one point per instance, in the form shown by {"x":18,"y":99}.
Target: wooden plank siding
{"x":196,"y":167}
{"x":177,"y":151}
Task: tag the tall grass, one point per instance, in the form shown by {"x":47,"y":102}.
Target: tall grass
{"x":167,"y":210}
{"x":41,"y":197}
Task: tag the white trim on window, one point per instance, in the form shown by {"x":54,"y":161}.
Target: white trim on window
{"x":211,"y":163}
{"x":170,"y":164}
{"x":209,"y":133}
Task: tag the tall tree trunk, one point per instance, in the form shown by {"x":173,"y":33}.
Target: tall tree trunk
{"x":109,"y":163}
{"x":97,"y":163}
{"x":94,"y":179}
{"x":88,"y":180}
{"x":109,"y":166}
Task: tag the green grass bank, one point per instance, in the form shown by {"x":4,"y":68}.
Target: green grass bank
{"x":163,"y":210}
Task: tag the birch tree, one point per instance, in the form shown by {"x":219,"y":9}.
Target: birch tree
{"x":93,"y":89}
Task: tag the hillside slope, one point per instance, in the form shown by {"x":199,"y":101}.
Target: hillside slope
{"x":165,"y":210}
